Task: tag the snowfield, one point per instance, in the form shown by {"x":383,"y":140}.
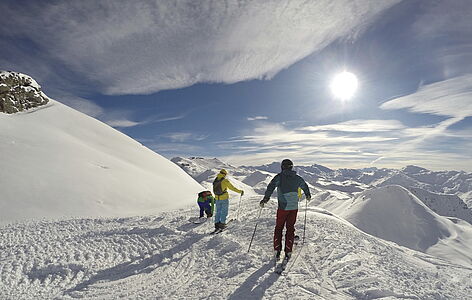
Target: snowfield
{"x":58,"y":162}
{"x":167,"y":257}
{"x":393,"y":213}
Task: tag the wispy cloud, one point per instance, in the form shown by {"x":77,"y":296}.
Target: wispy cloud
{"x":173,"y":44}
{"x":122,"y":119}
{"x":256,"y":118}
{"x":446,"y":25}
{"x":165,"y":119}
{"x":450,"y":97}
{"x":355,"y":143}
{"x":122,"y":123}
{"x":359,"y":126}
{"x":183,"y":136}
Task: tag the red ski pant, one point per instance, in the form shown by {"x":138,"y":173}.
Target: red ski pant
{"x":287,"y":218}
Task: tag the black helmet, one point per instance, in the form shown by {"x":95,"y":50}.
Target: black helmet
{"x":287,"y":164}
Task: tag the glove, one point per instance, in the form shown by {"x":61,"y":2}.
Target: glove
{"x":242,"y":192}
{"x":263,"y":202}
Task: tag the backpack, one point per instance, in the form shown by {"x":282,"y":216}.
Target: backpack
{"x":204,"y":195}
{"x":217,"y":189}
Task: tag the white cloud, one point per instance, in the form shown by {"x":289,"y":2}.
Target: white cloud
{"x":381,"y":143}
{"x":131,"y":47}
{"x":359,"y":126}
{"x":256,"y":118}
{"x":450,"y":97}
{"x":122,"y":123}
{"x":183,"y":136}
{"x":121,"y":118}
{"x":165,"y":119}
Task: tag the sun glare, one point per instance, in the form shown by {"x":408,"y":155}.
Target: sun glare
{"x":344,"y":85}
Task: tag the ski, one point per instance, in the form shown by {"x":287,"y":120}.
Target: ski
{"x":281,"y":267}
{"x":200,"y":221}
{"x":216,"y":231}
{"x":220,"y":230}
{"x":276,"y":259}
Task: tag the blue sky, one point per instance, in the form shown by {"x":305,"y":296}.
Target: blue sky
{"x":249,"y":82}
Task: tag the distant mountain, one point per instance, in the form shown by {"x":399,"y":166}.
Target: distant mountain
{"x":393,"y":213}
{"x":204,"y":171}
{"x":444,"y":204}
{"x":57,"y":162}
{"x":445,"y":192}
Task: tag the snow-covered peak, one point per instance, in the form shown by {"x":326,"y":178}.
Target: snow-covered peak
{"x":195,"y":166}
{"x":393,"y":213}
{"x":410,"y":169}
{"x":63,"y":163}
{"x":444,"y":204}
{"x":273,"y":167}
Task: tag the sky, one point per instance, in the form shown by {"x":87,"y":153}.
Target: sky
{"x":249,"y":81}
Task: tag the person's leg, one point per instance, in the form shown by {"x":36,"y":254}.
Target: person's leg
{"x":290,"y":234}
{"x":224,"y":210}
{"x":218,"y":212}
{"x":202,"y":208}
{"x":279,"y":226}
{"x":207,"y":208}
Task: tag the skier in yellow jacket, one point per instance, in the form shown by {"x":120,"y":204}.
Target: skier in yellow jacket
{"x":220,"y":188}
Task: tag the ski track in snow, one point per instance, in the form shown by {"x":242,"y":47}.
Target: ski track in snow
{"x":168,"y":257}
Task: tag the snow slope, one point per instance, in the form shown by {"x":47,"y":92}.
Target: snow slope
{"x":444,"y":204}
{"x":166,"y":257}
{"x":395,"y":214}
{"x":57,"y":162}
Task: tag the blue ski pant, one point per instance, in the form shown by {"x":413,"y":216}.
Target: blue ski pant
{"x":221,"y":210}
{"x":204,"y":208}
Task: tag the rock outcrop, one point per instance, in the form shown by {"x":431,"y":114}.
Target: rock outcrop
{"x":19,"y":92}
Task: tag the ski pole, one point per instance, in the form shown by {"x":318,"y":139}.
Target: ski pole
{"x":304,"y":224}
{"x":239,"y":207}
{"x":255,"y":227}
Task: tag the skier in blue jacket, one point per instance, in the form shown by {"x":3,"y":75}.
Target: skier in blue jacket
{"x":288,"y":184}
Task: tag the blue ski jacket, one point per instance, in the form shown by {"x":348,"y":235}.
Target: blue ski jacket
{"x":287,"y":183}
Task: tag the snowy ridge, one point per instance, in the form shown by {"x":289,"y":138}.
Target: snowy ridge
{"x":166,"y":257}
{"x":204,"y":171}
{"x":195,"y":166}
{"x":345,"y":184}
{"x":61,"y":163}
{"x":352,"y":181}
{"x":393,"y":213}
{"x":443,"y":204}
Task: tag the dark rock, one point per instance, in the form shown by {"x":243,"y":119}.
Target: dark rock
{"x":19,"y":92}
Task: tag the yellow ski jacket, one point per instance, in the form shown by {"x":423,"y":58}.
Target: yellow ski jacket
{"x":225,"y":185}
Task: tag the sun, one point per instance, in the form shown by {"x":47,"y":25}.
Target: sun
{"x":344,"y":85}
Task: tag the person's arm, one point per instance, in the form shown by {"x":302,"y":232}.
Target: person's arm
{"x":212,"y":202}
{"x":231,"y":187}
{"x":305,"y":188}
{"x":271,"y":187}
